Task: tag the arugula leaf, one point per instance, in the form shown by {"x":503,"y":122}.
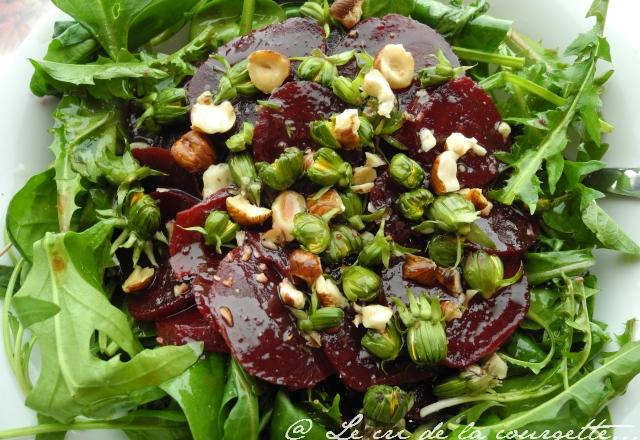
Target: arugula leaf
{"x":5,"y":276}
{"x":286,"y":414}
{"x":379,"y":8}
{"x":201,"y":408}
{"x":159,"y":20}
{"x":68,"y":272}
{"x":32,"y":213}
{"x":545,"y":266}
{"x":607,"y":231}
{"x":240,"y":414}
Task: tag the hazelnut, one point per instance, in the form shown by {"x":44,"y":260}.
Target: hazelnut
{"x":460,"y":144}
{"x":329,"y":201}
{"x":329,"y":294}
{"x":444,"y":175}
{"x":347,"y":12}
{"x":422,"y":270}
{"x":449,"y":277}
{"x":210,"y":118}
{"x":283,"y":210}
{"x":396,"y":65}
{"x":305,"y":265}
{"x":475,"y":196}
{"x":376,"y":85}
{"x":139,"y":279}
{"x":215,"y":178}
{"x":346,"y":129}
{"x":374,"y":316}
{"x":245,"y":213}
{"x":193,"y":152}
{"x":268,"y":69}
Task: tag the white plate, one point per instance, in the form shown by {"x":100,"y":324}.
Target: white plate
{"x":25,"y":120}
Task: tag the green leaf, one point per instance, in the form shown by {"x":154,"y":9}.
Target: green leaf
{"x":286,"y":414}
{"x":607,"y":230}
{"x":33,"y":310}
{"x":162,"y":18}
{"x":380,"y":8}
{"x":42,"y":420}
{"x":32,"y":213}
{"x":68,"y":272}
{"x":5,"y":275}
{"x":202,"y":409}
{"x":545,"y":266}
{"x":240,"y":414}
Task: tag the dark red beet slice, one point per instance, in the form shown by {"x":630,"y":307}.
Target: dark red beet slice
{"x":159,"y":300}
{"x":171,"y":201}
{"x":194,"y":259}
{"x":160,"y":159}
{"x":189,"y":326}
{"x":512,"y":230}
{"x":258,"y":328}
{"x":288,"y":126}
{"x":294,"y":37}
{"x":357,"y":368}
{"x":457,"y":106}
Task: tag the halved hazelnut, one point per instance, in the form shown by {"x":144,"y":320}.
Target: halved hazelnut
{"x":376,"y":85}
{"x":449,"y":277}
{"x":244,"y":212}
{"x":347,"y":12}
{"x":396,"y":65}
{"x":422,"y":270}
{"x":305,"y":265}
{"x":460,"y":144}
{"x":283,"y":210}
{"x":291,"y":296}
{"x":268,"y":69}
{"x":193,"y":152}
{"x":327,"y":202}
{"x":444,"y":175}
{"x":475,"y":196}
{"x":329,"y":294}
{"x":346,"y":129}
{"x":215,"y":178}
{"x":139,"y":279}
{"x":210,"y":118}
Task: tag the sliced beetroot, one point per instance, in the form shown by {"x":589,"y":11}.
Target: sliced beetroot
{"x":195,"y":216}
{"x":511,"y":230}
{"x":300,"y":103}
{"x":258,"y":328}
{"x":171,"y":201}
{"x":189,"y":326}
{"x":294,"y":37}
{"x":160,"y":159}
{"x":194,"y":259}
{"x":357,"y":368}
{"x":457,"y":106}
{"x":159,"y":300}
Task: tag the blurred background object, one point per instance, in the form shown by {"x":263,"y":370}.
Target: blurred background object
{"x":17,"y":17}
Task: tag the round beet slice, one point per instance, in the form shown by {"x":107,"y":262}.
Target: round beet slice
{"x":171,"y":201}
{"x":194,"y":259}
{"x":259,"y":330}
{"x":457,"y":106}
{"x":511,"y":230}
{"x":189,"y":326}
{"x":299,"y":103}
{"x":159,"y":300}
{"x":357,"y":368}
{"x":160,"y":159}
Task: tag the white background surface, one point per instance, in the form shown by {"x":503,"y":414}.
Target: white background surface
{"x":25,"y":120}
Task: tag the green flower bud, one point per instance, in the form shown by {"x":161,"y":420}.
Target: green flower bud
{"x":426,"y":337}
{"x":412,"y":204}
{"x":322,"y":132}
{"x":406,"y":171}
{"x":284,"y":171}
{"x":239,"y":141}
{"x":344,"y":242}
{"x":377,"y":251}
{"x":386,"y":404}
{"x":385,"y":346}
{"x":244,"y":174}
{"x":310,"y":68}
{"x":365,"y":132}
{"x":143,"y":216}
{"x":315,"y":11}
{"x":165,"y":107}
{"x":485,"y":273}
{"x":322,"y":319}
{"x":360,"y":284}
{"x":219,"y":229}
{"x":235,"y":81}
{"x":453,"y":213}
{"x":352,"y":204}
{"x":326,"y":75}
{"x":329,"y":169}
{"x":440,"y":73}
{"x":474,"y":379}
{"x":347,"y":90}
{"x":342,"y":58}
{"x":311,"y":231}
{"x":390,"y":125}
{"x":358,"y":221}
{"x":443,"y":249}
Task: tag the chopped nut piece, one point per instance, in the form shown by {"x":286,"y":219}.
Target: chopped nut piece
{"x":261,"y":278}
{"x":451,"y":310}
{"x":139,"y":279}
{"x":283,"y":210}
{"x":210,"y":118}
{"x":225,"y":313}
{"x":327,"y":202}
{"x":396,"y":65}
{"x":346,"y":129}
{"x":374,"y":317}
{"x":449,"y":277}
{"x":193,"y":152}
{"x":444,"y":175}
{"x":363,"y":175}
{"x":347,"y":12}
{"x":215,"y":178}
{"x":475,"y":196}
{"x":180,"y":289}
{"x":504,"y":129}
{"x":305,"y":265}
{"x":328,"y":293}
{"x":372,"y":160}
{"x":422,"y":270}
{"x":245,"y":213}
{"x":228,"y":281}
{"x":291,"y":296}
{"x":377,"y":86}
{"x":427,"y":139}
{"x":308,"y":158}
{"x":460,"y":144}
{"x":363,"y":188}
{"x":268,"y":69}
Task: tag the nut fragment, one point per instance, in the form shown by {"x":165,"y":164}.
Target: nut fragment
{"x":347,"y":12}
{"x":346,"y":129}
{"x":362,"y":181}
{"x":283,"y":209}
{"x":193,"y":152}
{"x":444,"y":175}
{"x":245,"y":213}
{"x":210,"y":118}
{"x":372,"y":160}
{"x":329,"y":294}
{"x":305,"y":265}
{"x":180,"y":289}
{"x":449,"y":277}
{"x":427,"y":139}
{"x":504,"y":129}
{"x":139,"y":279}
{"x":268,"y":69}
{"x":327,"y":202}
{"x":422,"y":270}
{"x":376,"y":85}
{"x":374,"y":317}
{"x":460,"y":144}
{"x":215,"y":178}
{"x":451,"y":310}
{"x":475,"y":196}
{"x":396,"y":65}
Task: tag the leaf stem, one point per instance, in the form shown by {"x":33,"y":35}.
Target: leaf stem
{"x":489,"y":57}
{"x":6,"y":249}
{"x":246,"y":20}
{"x":78,"y":426}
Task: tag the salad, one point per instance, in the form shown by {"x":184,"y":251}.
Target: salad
{"x":357,"y":219}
